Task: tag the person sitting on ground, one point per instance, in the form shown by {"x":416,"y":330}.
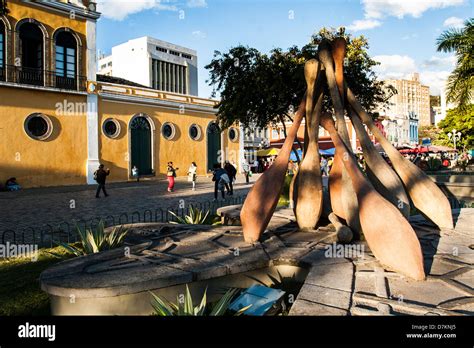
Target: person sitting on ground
{"x":12,"y":185}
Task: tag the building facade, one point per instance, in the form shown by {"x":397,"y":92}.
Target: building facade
{"x":155,"y":64}
{"x":409,"y":109}
{"x":57,"y":123}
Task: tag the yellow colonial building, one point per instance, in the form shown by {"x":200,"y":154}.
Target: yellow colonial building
{"x":58,"y":122}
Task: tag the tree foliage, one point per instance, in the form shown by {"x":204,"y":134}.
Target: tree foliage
{"x":461,"y":81}
{"x":462,"y":120}
{"x":431,"y":132}
{"x":259,"y":89}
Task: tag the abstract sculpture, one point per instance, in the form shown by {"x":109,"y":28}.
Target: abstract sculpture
{"x":377,"y":204}
{"x":308,"y":184}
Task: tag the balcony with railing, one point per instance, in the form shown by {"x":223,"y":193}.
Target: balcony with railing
{"x":42,"y":78}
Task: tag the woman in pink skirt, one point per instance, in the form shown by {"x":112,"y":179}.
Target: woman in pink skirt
{"x":171,"y":174}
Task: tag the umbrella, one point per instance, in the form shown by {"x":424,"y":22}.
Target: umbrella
{"x":328,"y":152}
{"x":268,"y":152}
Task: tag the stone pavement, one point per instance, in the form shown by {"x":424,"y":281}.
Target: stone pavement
{"x":53,"y":205}
{"x":163,"y":256}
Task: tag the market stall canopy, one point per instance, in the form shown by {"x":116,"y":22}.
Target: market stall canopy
{"x":440,"y":148}
{"x":328,"y":152}
{"x":425,"y":149}
{"x":268,"y":152}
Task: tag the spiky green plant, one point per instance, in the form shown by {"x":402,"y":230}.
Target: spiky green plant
{"x":165,"y":308}
{"x":195,"y":216}
{"x":96,"y":240}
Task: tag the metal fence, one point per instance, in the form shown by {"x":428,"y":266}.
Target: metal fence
{"x":48,"y":235}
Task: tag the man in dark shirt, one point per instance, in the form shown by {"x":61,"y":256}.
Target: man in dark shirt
{"x":100,"y":176}
{"x":231,"y":172}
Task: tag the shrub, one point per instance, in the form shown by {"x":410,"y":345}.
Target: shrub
{"x":93,"y":241}
{"x":164,"y":308}
{"x":195,"y":216}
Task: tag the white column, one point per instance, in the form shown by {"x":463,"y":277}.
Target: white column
{"x":241,"y":149}
{"x":92,"y":105}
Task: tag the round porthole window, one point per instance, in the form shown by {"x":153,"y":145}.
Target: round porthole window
{"x":168,"y":130}
{"x":233,"y":134}
{"x":195,"y":132}
{"x":111,"y":128}
{"x":38,"y":126}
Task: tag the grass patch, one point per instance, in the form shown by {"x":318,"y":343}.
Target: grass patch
{"x":20,"y":292}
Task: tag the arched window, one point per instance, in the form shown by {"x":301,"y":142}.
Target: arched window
{"x":2,"y":52}
{"x":31,"y":43}
{"x":66,"y":57}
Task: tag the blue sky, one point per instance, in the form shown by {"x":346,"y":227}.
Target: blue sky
{"x":401,"y":33}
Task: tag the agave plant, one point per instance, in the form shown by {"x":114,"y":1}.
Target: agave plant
{"x":195,"y":216}
{"x":164,"y":308}
{"x":93,"y":241}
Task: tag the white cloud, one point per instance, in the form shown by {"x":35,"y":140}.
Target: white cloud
{"x":375,"y":10}
{"x":453,"y":22}
{"x":120,"y":9}
{"x":439,"y":62}
{"x":394,"y":66}
{"x":196,"y":3}
{"x":436,"y":80}
{"x":410,"y":36}
{"x":198,"y":34}
{"x":400,"y":8}
{"x":364,"y":24}
{"x":401,"y":67}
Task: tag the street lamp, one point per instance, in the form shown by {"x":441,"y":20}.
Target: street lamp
{"x":454,"y":136}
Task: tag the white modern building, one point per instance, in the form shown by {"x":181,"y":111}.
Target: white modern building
{"x":155,"y":64}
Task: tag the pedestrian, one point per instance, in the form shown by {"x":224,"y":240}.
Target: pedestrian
{"x":100,"y":175}
{"x":291,"y":168}
{"x":135,"y":173}
{"x":171,"y":174}
{"x":324,"y":166}
{"x":221,"y":180}
{"x":246,"y":169}
{"x":231,"y":172}
{"x":192,"y":176}
{"x":256,"y":165}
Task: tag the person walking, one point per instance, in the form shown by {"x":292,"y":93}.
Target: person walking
{"x":221,"y":181}
{"x":192,"y":176}
{"x":135,"y":173}
{"x":324,"y":166}
{"x":246,"y":169}
{"x":171,"y":174}
{"x":231,"y":172}
{"x":100,"y":175}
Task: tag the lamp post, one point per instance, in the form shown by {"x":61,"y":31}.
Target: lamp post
{"x":455,"y":136}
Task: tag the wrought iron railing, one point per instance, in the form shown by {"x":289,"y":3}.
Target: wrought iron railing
{"x":40,"y":77}
{"x":49,"y":235}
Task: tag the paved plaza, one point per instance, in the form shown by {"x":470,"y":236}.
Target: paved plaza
{"x":53,"y":205}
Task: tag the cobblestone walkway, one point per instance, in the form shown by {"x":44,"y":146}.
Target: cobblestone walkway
{"x":53,"y":205}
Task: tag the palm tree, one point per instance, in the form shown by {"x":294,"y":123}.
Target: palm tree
{"x":461,"y":81}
